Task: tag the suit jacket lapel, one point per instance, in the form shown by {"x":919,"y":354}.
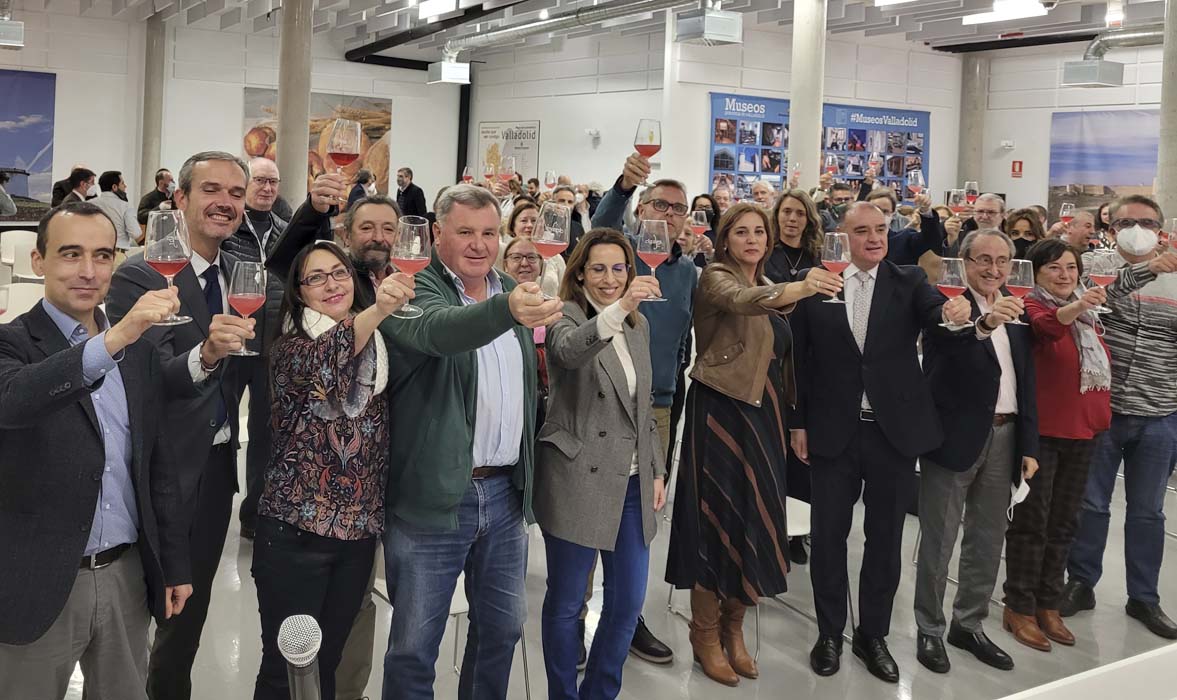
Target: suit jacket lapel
{"x":49,"y":340}
{"x":612,"y":365}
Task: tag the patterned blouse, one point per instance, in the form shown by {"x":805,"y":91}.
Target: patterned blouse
{"x":329,"y":463}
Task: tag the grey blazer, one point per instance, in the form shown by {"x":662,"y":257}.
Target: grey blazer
{"x":586,"y":446}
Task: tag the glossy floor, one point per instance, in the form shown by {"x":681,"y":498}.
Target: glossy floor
{"x":228,"y":659}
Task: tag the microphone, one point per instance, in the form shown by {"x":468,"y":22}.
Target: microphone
{"x":299,"y":639}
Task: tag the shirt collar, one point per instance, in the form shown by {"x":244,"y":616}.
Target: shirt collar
{"x":853,"y":270}
{"x":982,"y":302}
{"x":494,"y":285}
{"x":199,"y":264}
{"x":71,"y":328}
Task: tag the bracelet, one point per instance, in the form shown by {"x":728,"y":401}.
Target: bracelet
{"x":200,"y":356}
{"x":984,"y":326}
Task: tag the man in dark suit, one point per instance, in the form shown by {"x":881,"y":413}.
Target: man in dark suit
{"x":212,"y":196}
{"x":80,"y":181}
{"x":864,"y":413}
{"x":88,"y":476}
{"x":62,"y":188}
{"x":162,"y":193}
{"x":983,"y":384}
{"x":409,"y":197}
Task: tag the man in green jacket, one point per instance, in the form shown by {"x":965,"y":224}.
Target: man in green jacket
{"x":462,"y":382}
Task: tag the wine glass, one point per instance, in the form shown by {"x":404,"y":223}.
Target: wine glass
{"x":971,"y":191}
{"x":410,"y":254}
{"x":167,"y":250}
{"x":952,"y":283}
{"x":647,"y":141}
{"x":1020,"y":282}
{"x":1170,"y":234}
{"x":1104,"y":269}
{"x":247,"y":294}
{"x":915,"y":181}
{"x":1066,"y":213}
{"x":506,"y":174}
{"x":835,"y":257}
{"x":344,"y":145}
{"x":488,"y":172}
{"x":553,"y":231}
{"x":550,"y":179}
{"x":875,"y":161}
{"x":831,"y":164}
{"x":699,"y":222}
{"x":653,"y":246}
{"x":957,"y":200}
{"x":467,"y":175}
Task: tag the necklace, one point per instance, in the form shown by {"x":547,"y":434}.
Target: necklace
{"x":792,"y":264}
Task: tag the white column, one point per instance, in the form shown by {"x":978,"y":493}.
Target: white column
{"x":974,"y":92}
{"x":153,"y":70}
{"x":1167,"y":153}
{"x":806,"y":91}
{"x":294,"y":97}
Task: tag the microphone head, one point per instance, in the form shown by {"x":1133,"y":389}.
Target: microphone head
{"x":299,"y":639}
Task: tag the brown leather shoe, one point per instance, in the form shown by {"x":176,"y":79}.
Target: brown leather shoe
{"x":731,"y":638}
{"x":1051,"y":624}
{"x":705,"y":638}
{"x":1025,"y":629}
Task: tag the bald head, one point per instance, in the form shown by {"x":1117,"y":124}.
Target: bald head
{"x":262,"y":189}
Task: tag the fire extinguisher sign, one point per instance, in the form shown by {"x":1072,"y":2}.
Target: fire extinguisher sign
{"x":1015,"y":168}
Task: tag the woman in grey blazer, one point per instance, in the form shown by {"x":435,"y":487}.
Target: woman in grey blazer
{"x":599,"y":477}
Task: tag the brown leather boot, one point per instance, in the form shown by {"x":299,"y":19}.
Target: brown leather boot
{"x":705,"y":638}
{"x":731,"y":637}
{"x":1051,"y":624}
{"x":1025,"y":629}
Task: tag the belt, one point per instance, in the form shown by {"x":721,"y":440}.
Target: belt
{"x":488,"y":472}
{"x":1000,"y":419}
{"x":102,"y":560}
{"x":867,"y":415}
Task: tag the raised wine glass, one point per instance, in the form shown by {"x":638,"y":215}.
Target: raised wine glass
{"x":835,"y":257}
{"x":343,"y":147}
{"x":952,"y":284}
{"x":957,"y":200}
{"x":488,"y":172}
{"x":699,"y":222}
{"x":875,"y":161}
{"x":247,"y":294}
{"x":647,"y":141}
{"x":467,"y":175}
{"x":831,"y":164}
{"x":1020,"y":282}
{"x":1104,"y":269}
{"x":1066,"y":213}
{"x":1170,"y":234}
{"x":550,"y":179}
{"x":410,"y":254}
{"x":653,"y":246}
{"x":915,"y":181}
{"x":167,"y":250}
{"x":971,"y":191}
{"x":552,"y":232}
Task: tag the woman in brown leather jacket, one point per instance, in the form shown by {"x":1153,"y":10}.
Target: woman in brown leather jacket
{"x":728,"y":539}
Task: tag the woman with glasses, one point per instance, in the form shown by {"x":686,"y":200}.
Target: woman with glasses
{"x":523,"y":263}
{"x":321,"y":512}
{"x":727,"y":540}
{"x":599,"y":476}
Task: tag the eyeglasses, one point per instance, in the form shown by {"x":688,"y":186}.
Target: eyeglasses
{"x":618,"y":270}
{"x":986,"y":261}
{"x":532,"y":258}
{"x":264,"y":181}
{"x":663,"y":205}
{"x":1150,"y":224}
{"x":318,"y":279}
{"x":986,"y":212}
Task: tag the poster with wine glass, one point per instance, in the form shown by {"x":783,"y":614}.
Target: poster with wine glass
{"x":374,"y":116}
{"x":498,"y":141}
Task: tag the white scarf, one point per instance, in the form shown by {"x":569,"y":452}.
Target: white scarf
{"x":317,"y":324}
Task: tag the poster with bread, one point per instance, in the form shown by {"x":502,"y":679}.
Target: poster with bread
{"x":374,"y":115}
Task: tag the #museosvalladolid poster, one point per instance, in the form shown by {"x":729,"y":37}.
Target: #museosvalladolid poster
{"x":373,"y":114}
{"x":500,"y":140}
{"x":1098,"y":156}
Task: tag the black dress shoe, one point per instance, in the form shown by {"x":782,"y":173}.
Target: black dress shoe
{"x":1153,"y":618}
{"x":1076,"y":596}
{"x":582,"y":660}
{"x":646,"y":646}
{"x":797,"y":553}
{"x":980,"y":646}
{"x":826,"y":656}
{"x":874,"y":653}
{"x":930,"y":652}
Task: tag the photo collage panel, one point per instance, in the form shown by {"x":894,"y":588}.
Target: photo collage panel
{"x":745,"y":151}
{"x":847,"y":153}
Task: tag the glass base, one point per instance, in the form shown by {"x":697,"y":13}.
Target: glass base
{"x":954,"y":327}
{"x":655,"y":299}
{"x":1101,"y":310}
{"x":173,"y":321}
{"x":833,"y":300}
{"x":244,"y":353}
{"x":407,"y":311}
{"x":1016,"y":323}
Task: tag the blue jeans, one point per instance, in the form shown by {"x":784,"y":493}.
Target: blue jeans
{"x":1148,"y":447}
{"x":626,"y":571}
{"x":423,"y":565}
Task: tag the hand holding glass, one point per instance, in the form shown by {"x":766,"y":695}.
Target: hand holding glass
{"x":1104,"y":269}
{"x":699,"y":222}
{"x":167,"y":251}
{"x":247,"y":294}
{"x":971,"y":192}
{"x":1020,"y":282}
{"x":410,"y":254}
{"x":952,"y":283}
{"x":835,"y":257}
{"x":653,"y":246}
{"x":343,"y":148}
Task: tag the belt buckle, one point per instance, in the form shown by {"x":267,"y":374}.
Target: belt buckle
{"x":95,"y":566}
{"x":866,"y":414}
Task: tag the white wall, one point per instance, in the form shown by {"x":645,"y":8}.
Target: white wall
{"x":98,"y":99}
{"x":609,"y":83}
{"x":1023,"y":94}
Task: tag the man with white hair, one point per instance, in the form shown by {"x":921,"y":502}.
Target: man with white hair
{"x":988,"y":212}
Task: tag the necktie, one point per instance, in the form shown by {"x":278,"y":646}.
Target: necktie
{"x":862,"y":299}
{"x":212,"y":299}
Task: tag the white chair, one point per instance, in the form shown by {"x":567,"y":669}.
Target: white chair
{"x":15,"y":250}
{"x":459,"y":606}
{"x":21,"y":298}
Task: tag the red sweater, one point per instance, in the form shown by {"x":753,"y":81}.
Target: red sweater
{"x":1063,"y":412}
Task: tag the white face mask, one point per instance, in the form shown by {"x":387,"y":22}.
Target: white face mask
{"x":92,"y":191}
{"x":888,"y":218}
{"x":1017,"y":494}
{"x":579,"y":198}
{"x":370,"y":188}
{"x":172,"y":187}
{"x":1136,"y":240}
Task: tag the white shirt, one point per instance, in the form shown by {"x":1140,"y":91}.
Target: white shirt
{"x":610,"y":326}
{"x":122,"y":215}
{"x":850,"y":291}
{"x":199,"y":265}
{"x":1007,"y":391}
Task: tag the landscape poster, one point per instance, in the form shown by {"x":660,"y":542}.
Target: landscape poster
{"x":26,"y":141}
{"x":1098,"y":156}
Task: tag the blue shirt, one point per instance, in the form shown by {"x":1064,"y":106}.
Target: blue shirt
{"x":116,"y":514}
{"x":498,"y":416}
